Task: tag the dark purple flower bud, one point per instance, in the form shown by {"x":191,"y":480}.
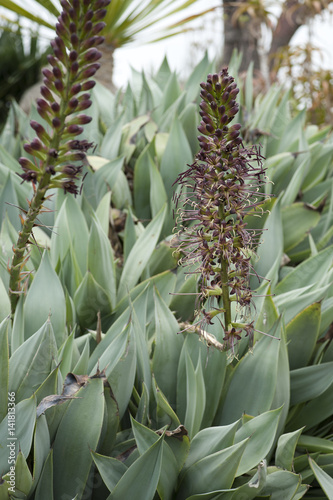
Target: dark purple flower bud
{"x":76,"y":4}
{"x":59,"y":85}
{"x":72,"y":14}
{"x":92,"y":55}
{"x":75,"y":41}
{"x":57,"y":72}
{"x":233,"y":93}
{"x":61,"y":30}
{"x":74,"y":68}
{"x":72,"y":104}
{"x":100,"y":14}
{"x":48,"y":74}
{"x":56,"y":122}
{"x":101,"y":3}
{"x":89,"y":71}
{"x":215,"y":78}
{"x":74,"y":130}
{"x":55,"y":107}
{"x":81,"y":119}
{"x":64,"y":17}
{"x":43,"y":104}
{"x":218,"y":87}
{"x":72,"y":27}
{"x":36,"y":145}
{"x":98,"y":28}
{"x":40,"y":131}
{"x":26,"y":164}
{"x":89,"y":15}
{"x":76,"y":88}
{"x":65,"y":5}
{"x":221,"y":110}
{"x":73,"y":55}
{"x":84,"y":105}
{"x":210,"y":128}
{"x":88,"y":85}
{"x":87,"y":27}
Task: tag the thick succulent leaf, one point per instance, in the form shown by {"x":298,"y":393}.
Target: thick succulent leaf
{"x":291,"y":192}
{"x":110,"y":469}
{"x":9,"y":202}
{"x":138,"y":325}
{"x":32,"y":362}
{"x":315,"y":444}
{"x":292,"y":303}
{"x":168,"y":345}
{"x":72,"y":231}
{"x":17,"y":337}
{"x":25,"y":418}
{"x":89,"y":299}
{"x":141,"y":182}
{"x":101,"y":262}
{"x":176,"y":156}
{"x":297,"y":220}
{"x":195,"y":396}
{"x":103,"y":212}
{"x":209,"y":441}
{"x":158,"y":196}
{"x":281,"y":485}
{"x":324,"y":479}
{"x":309,"y":382}
{"x":45,"y":484}
{"x":141,"y":478}
{"x":23,"y":477}
{"x":308,"y":272}
{"x":304,"y":326}
{"x":41,"y":447}
{"x":214,"y":472}
{"x":140,"y":254}
{"x":78,"y":433}
{"x":66,"y":355}
{"x":255,"y":370}
{"x":145,"y":438}
{"x":45,"y":298}
{"x":261,"y":430}
{"x":110,"y":422}
{"x":4,"y":365}
{"x":271,"y":246}
{"x":121,"y":376}
{"x":285,"y":451}
{"x":282,"y":388}
{"x":165,"y":415}
{"x":309,"y":414}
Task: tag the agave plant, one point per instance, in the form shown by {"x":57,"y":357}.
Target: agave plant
{"x":110,"y":400}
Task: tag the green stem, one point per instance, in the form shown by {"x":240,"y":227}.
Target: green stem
{"x":23,"y":240}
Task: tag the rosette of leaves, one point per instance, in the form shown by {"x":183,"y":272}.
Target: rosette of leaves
{"x":218,"y":191}
{"x":56,"y":155}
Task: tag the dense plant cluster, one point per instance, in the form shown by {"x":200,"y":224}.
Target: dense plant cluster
{"x":109,"y":400}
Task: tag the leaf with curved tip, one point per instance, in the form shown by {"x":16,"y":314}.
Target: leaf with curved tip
{"x":140,"y":254}
{"x":141,"y":478}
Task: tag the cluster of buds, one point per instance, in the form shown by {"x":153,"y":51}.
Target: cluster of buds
{"x":218,"y":190}
{"x":57,"y":155}
{"x":65,"y":95}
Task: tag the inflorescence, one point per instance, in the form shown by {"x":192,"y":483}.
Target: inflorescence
{"x":57,"y":155}
{"x":218,"y":190}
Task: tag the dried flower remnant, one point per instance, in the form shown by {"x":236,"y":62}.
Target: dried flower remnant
{"x":57,"y":156}
{"x":218,"y":190}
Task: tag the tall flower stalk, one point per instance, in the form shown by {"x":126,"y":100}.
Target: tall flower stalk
{"x":218,"y":190}
{"x":57,"y":154}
